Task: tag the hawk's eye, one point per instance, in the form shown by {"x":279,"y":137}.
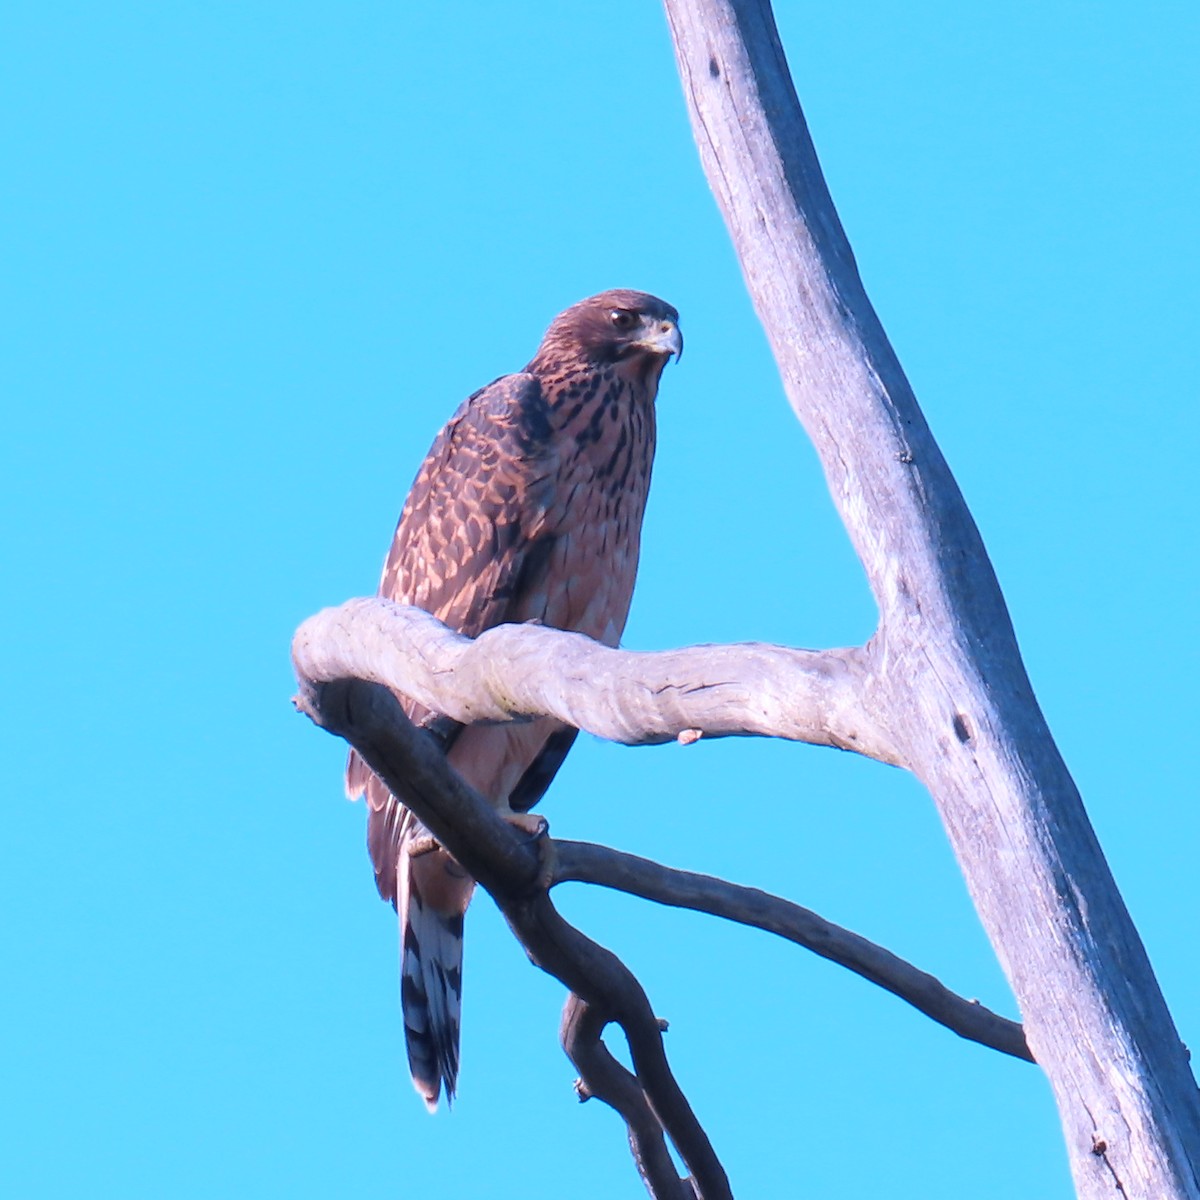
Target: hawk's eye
{"x":622,"y":319}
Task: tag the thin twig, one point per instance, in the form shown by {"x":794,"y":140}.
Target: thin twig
{"x":602,"y":1076}
{"x":599,"y":977}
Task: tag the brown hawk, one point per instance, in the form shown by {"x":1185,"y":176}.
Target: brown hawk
{"x":528,"y":507}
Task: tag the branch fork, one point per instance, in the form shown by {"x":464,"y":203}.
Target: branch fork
{"x":366,"y":713}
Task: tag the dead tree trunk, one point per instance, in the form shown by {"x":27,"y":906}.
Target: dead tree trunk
{"x":939,"y":689}
{"x":948,"y":683}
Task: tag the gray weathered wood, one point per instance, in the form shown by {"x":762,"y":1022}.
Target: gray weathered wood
{"x":639,"y":699}
{"x":948,"y":683}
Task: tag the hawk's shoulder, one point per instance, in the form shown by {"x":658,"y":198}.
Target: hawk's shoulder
{"x":516,"y":403}
{"x":508,"y":417}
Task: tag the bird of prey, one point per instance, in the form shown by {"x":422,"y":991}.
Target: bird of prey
{"x":528,"y":507}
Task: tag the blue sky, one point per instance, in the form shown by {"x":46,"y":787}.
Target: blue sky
{"x":254,"y":255}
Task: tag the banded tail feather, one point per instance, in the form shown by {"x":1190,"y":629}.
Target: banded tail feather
{"x":431,"y":959}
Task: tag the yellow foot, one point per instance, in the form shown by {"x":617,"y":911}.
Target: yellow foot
{"x":538,"y":829}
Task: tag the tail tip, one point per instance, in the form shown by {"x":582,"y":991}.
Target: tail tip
{"x":430,"y":1093}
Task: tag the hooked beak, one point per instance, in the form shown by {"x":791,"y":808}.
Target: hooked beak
{"x":663,"y":338}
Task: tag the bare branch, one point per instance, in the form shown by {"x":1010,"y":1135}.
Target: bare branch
{"x":369,"y":716}
{"x":600,"y":1075}
{"x":407,"y":760}
{"x":516,"y":671}
{"x":599,"y":977}
{"x":586,"y":863}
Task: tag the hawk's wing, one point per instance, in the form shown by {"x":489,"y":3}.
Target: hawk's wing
{"x":472,"y":548}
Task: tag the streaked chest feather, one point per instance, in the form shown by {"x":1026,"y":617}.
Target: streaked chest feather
{"x":604,"y":434}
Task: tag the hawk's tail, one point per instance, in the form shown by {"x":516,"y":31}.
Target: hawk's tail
{"x":433,"y":896}
{"x":431,"y":893}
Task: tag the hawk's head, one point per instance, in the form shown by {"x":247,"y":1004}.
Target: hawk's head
{"x":633,"y":330}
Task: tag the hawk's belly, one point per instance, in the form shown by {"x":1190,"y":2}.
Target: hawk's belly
{"x":585,"y":586}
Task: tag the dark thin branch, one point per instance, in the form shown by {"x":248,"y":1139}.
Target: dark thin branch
{"x":599,"y":977}
{"x":586,"y":863}
{"x":602,"y":1076}
{"x":368,"y":716}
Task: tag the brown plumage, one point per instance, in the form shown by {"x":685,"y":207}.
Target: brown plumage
{"x":528,"y":507}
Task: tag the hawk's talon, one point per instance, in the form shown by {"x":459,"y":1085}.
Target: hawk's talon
{"x":534,"y":825}
{"x":537,"y":832}
{"x":547,"y":861}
